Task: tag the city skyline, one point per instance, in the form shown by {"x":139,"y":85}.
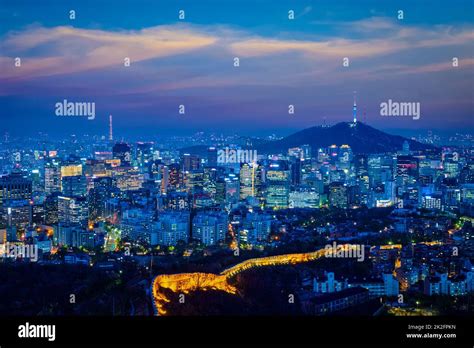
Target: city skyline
{"x":218,"y":165}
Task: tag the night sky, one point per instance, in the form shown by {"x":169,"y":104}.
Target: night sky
{"x":191,"y":62}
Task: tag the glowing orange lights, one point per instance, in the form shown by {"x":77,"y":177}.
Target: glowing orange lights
{"x":186,"y":282}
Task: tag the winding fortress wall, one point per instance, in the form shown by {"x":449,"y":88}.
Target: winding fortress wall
{"x":187,"y":282}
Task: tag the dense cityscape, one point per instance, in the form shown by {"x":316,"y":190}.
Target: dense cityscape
{"x":236,"y":172}
{"x":92,"y":221}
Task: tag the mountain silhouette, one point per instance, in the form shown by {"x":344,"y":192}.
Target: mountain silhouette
{"x":360,"y":137}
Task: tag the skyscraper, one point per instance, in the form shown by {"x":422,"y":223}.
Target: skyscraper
{"x":122,"y":152}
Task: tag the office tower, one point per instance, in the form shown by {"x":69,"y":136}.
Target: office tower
{"x":15,"y":187}
{"x":338,"y":195}
{"x":51,"y":208}
{"x":122,"y":152}
{"x":74,"y":186}
{"x":177,"y":201}
{"x":232,"y":189}
{"x":194,"y":181}
{"x":144,"y":153}
{"x":304,"y":197}
{"x":16,"y":213}
{"x":128,"y":178}
{"x":191,"y":162}
{"x":175,"y":178}
{"x":212,"y":157}
{"x":71,"y":170}
{"x":277,"y":185}
{"x":38,"y":184}
{"x":72,"y":211}
{"x":295,"y":168}
{"x":307,"y":153}
{"x":103,"y":190}
{"x":407,"y":171}
{"x":247,"y":180}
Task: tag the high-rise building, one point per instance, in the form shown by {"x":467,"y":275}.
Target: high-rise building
{"x":175,"y":178}
{"x":212,"y":157}
{"x":74,"y":186}
{"x":338,"y":195}
{"x":122,"y":152}
{"x":72,"y":211}
{"x":15,"y":187}
{"x":103,"y":190}
{"x":277,"y":185}
{"x":71,"y":170}
{"x":144,"y":153}
{"x":191,"y":162}
{"x":247,"y":180}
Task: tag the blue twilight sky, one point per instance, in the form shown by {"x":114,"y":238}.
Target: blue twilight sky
{"x":191,"y":62}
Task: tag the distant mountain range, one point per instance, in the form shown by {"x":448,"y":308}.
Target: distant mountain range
{"x":360,"y":137}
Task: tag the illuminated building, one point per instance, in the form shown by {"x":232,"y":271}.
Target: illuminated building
{"x":194,"y":181}
{"x":451,"y":165}
{"x":247,"y":180}
{"x":232,"y":189}
{"x":407,"y":171}
{"x":177,"y":201}
{"x":328,"y":284}
{"x":128,"y":178}
{"x":73,"y":211}
{"x":52,"y":177}
{"x":174,"y":176}
{"x":304,"y":198}
{"x":14,"y":187}
{"x":51,"y":208}
{"x":433,"y":201}
{"x":191,"y":162}
{"x":338,"y":195}
{"x":202,"y":200}
{"x":16,"y":213}
{"x":75,"y":236}
{"x":74,"y":186}
{"x":136,"y":224}
{"x":307,"y":153}
{"x":103,"y":190}
{"x":122,"y":152}
{"x":170,"y":228}
{"x":209,"y":227}
{"x":71,"y":170}
{"x":256,"y":228}
{"x":144,"y":153}
{"x":277,"y":186}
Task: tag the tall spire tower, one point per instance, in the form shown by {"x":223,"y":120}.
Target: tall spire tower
{"x":111,"y":134}
{"x":354,"y":109}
